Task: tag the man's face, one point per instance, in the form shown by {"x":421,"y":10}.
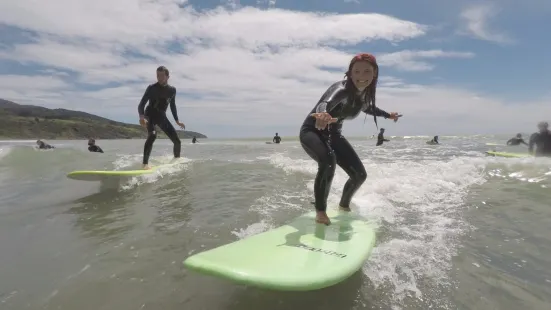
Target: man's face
{"x":162,"y":78}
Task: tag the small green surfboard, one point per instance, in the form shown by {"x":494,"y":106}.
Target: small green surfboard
{"x":509,"y":155}
{"x":92,"y":175}
{"x":298,"y":256}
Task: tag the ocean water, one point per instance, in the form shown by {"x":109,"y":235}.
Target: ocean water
{"x":458,"y":229}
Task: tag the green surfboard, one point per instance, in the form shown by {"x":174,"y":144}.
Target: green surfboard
{"x":99,"y":175}
{"x":510,"y":155}
{"x":298,"y":256}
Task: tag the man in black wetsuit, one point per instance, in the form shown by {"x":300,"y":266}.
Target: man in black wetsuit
{"x":381,"y":137}
{"x":276,"y":139}
{"x":160,"y":95}
{"x":435,"y":140}
{"x":43,"y":145}
{"x":194,"y":140}
{"x":92,"y":147}
{"x":516,"y":140}
{"x":542,"y":141}
{"x":320,"y":134}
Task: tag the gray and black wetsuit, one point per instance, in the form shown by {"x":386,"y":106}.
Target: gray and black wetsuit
{"x":329,"y":147}
{"x":542,"y":142}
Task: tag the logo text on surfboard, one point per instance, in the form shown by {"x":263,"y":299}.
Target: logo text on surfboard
{"x":309,"y":248}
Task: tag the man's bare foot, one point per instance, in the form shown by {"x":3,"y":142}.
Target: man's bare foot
{"x":344,"y":209}
{"x":322,"y":218}
{"x":146,"y":167}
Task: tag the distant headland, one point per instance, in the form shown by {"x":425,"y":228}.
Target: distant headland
{"x":35,"y":122}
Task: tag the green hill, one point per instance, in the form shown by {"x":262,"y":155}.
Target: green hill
{"x":35,"y":122}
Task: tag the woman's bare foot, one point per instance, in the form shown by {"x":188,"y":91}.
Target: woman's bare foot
{"x":175,"y":159}
{"x":322,"y":218}
{"x":146,"y":167}
{"x":344,"y":209}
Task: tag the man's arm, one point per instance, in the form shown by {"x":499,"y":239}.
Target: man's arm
{"x":523,"y":142}
{"x":145,"y":98}
{"x":532,"y":141}
{"x":173,"y":105}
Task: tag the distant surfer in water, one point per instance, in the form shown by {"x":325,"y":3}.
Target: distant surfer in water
{"x":542,"y":141}
{"x":434,"y":140}
{"x":43,"y":145}
{"x":320,"y":134}
{"x":92,"y":147}
{"x":160,"y":95}
{"x":194,"y":140}
{"x":276,"y":139}
{"x":381,"y":137}
{"x":516,"y":140}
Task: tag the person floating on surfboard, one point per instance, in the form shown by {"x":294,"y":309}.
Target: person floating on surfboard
{"x":43,"y":145}
{"x":516,"y":140}
{"x":160,"y":95}
{"x":276,"y":139}
{"x":433,"y":141}
{"x":320,"y":133}
{"x":92,"y":147}
{"x":381,"y":137}
{"x":542,"y":141}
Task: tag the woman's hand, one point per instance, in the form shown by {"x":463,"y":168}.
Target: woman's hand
{"x":395,"y":116}
{"x":323,"y":119}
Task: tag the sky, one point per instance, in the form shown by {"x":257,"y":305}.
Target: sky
{"x":251,"y":68}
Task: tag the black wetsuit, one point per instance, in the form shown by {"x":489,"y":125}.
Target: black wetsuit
{"x":381,"y":139}
{"x":159,"y":97}
{"x":328,"y":147}
{"x":516,"y":141}
{"x":194,"y":140}
{"x":45,"y":146}
{"x":542,"y":141}
{"x":276,"y":139}
{"x":95,"y":148}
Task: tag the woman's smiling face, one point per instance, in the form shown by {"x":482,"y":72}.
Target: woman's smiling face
{"x":362,"y":74}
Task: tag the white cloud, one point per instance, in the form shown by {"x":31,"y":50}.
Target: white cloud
{"x":476,"y":20}
{"x":410,"y":60}
{"x":79,"y":57}
{"x":233,"y":4}
{"x":22,"y":82}
{"x":247,"y":68}
{"x":270,"y":4}
{"x":141,"y":23}
{"x":446,"y":110}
